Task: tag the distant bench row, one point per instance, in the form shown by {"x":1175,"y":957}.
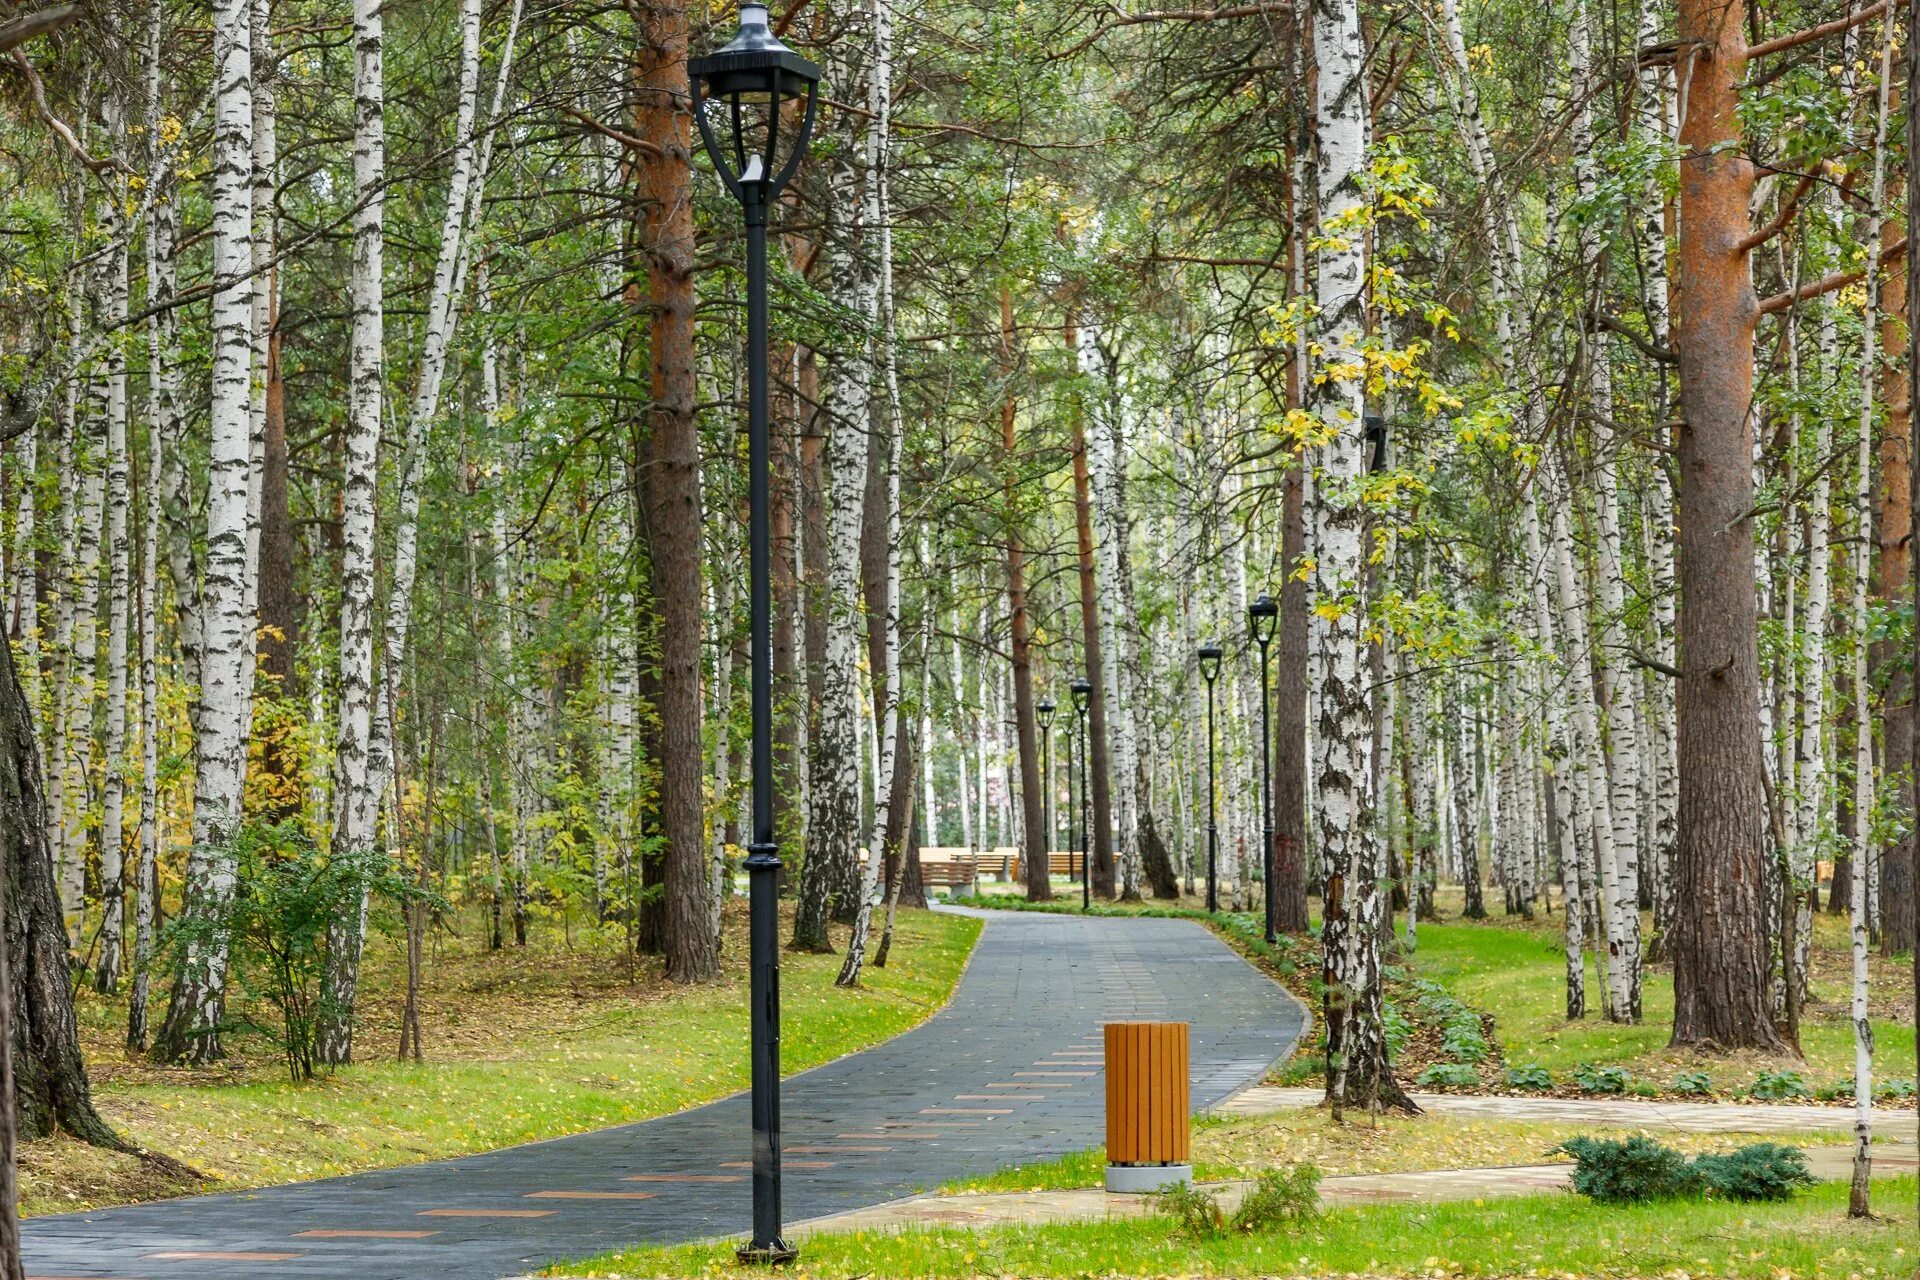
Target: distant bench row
{"x":951,"y":868}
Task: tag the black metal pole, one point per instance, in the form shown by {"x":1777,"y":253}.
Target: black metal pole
{"x":1266,"y":790}
{"x":1086,"y":820}
{"x":763,"y":852}
{"x":1046,"y":799}
{"x":1213,"y":831}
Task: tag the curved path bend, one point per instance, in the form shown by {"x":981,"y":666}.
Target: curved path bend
{"x":1008,"y":1072}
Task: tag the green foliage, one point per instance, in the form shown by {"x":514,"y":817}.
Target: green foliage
{"x":1448,"y":1075}
{"x":286,"y":895}
{"x":1196,"y":1214}
{"x":1893,"y":1090}
{"x":1599,"y":1079}
{"x":1531,"y":1077}
{"x":1694,"y":1084}
{"x":1638,"y":1170}
{"x":1779,"y":1086}
{"x":1398,"y":1030}
{"x":1278,"y":1197}
{"x":1632,"y":1171}
{"x":1763,"y":1171}
{"x":1464,"y":1043}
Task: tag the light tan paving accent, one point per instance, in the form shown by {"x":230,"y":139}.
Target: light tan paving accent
{"x":683,"y":1177}
{"x":485,"y":1213}
{"x":1078,"y":1075}
{"x":218,"y":1255}
{"x":591,"y":1195}
{"x":331,"y":1233}
{"x":836,"y":1150}
{"x":965,"y":1111}
{"x":1028,"y":1084}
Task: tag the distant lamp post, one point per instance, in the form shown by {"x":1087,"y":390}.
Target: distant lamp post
{"x":1210,"y":670}
{"x":1376,"y":442}
{"x":749,"y":81}
{"x":1263,"y":618}
{"x":1043,"y":711}
{"x":1082,"y":694}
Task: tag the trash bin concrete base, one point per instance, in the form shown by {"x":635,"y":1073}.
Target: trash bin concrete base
{"x":1137,"y":1179}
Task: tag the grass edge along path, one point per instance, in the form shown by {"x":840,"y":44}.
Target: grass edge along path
{"x":630,"y":1062}
{"x":1808,"y":1237}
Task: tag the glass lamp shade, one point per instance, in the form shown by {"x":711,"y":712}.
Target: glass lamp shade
{"x":1263,"y":615}
{"x":1210,"y":655}
{"x":1044,"y":709}
{"x":748,"y":79}
{"x":1082,"y":690}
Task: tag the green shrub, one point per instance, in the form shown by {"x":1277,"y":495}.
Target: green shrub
{"x":1891,"y":1090}
{"x":287,"y":893}
{"x":1279,"y":1197}
{"x":1644,"y":1089}
{"x":1449,"y":1075}
{"x":1763,"y":1171}
{"x":1595,"y":1079}
{"x":1532,"y":1077}
{"x":1195,"y":1213}
{"x":1639,"y":1169}
{"x":1398,"y":1032}
{"x":1465,"y":1043}
{"x":1694,"y":1084}
{"x":1625,"y":1172}
{"x":1778,"y":1086}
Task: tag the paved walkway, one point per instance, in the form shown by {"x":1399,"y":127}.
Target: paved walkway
{"x":1009,"y":1072}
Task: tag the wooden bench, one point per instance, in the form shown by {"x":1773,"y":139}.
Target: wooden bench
{"x":1002,"y":863}
{"x":951,"y":871}
{"x":1062,"y":862}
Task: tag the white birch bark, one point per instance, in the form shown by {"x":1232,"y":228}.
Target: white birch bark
{"x":81,"y":607}
{"x":1559,"y":749}
{"x":1343,"y":812}
{"x":195,"y":1011}
{"x":263,"y":302}
{"x":106,"y":976}
{"x":964,"y":716}
{"x":356,"y":799}
{"x":1812,"y":810}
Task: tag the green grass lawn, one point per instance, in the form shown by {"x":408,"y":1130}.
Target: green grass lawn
{"x":1808,"y":1238}
{"x":1241,"y":1147}
{"x":520,"y":1046}
{"x":1519,"y":976}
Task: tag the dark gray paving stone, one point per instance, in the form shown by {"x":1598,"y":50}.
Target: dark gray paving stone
{"x":1037,"y":984}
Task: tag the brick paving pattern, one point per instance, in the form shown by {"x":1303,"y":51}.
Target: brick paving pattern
{"x":875,"y":1126}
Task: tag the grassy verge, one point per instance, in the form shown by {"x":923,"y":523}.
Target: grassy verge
{"x":521,"y":1045}
{"x":1243,"y":1147}
{"x":1808,"y":1238}
{"x":1518,"y":974}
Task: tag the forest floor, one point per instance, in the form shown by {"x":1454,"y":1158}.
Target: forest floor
{"x":560,"y":1037}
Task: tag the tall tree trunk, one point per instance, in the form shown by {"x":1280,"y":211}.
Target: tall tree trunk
{"x":1720,"y":936}
{"x":196,"y":1009}
{"x":1033,"y":788}
{"x":356,"y":802}
{"x":663,"y":186}
{"x":1893,"y":530}
{"x":106,"y":977}
{"x":1098,"y":764}
{"x":1358,"y":1071}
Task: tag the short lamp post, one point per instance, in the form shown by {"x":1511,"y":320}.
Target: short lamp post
{"x":1043,"y":711}
{"x":1210,"y":671}
{"x":747,"y":83}
{"x":1082,"y":696}
{"x":1263,"y":618}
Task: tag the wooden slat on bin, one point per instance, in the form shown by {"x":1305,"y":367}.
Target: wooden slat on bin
{"x":1148,"y":1092}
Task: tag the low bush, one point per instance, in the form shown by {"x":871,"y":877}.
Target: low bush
{"x":1638,"y":1170}
{"x":1633,"y":1171}
{"x":1195,"y":1213}
{"x":1533,"y":1078}
{"x":1779,"y":1086}
{"x":1279,"y":1197}
{"x":1448,"y":1075}
{"x":1464,"y":1043}
{"x":1694,"y":1084}
{"x":1399,"y":1032}
{"x":1763,"y":1171}
{"x":1892,"y":1090}
{"x":1595,"y":1079}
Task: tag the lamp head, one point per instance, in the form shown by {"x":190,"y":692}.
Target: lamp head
{"x":1210,"y":655}
{"x":1376,"y":442}
{"x":747,"y":81}
{"x":1082,"y":691}
{"x":1044,"y":710}
{"x":1263,"y":615}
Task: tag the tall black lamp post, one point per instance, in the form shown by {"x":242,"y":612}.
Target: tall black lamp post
{"x":1082,"y":695}
{"x":1263,"y":617}
{"x":1043,"y":711}
{"x":749,"y":81}
{"x":1210,"y":670}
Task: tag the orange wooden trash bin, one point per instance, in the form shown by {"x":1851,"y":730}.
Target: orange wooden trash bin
{"x":1148,"y":1106}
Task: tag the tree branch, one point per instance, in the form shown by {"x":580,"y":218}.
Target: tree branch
{"x":38,"y":92}
{"x":1651,"y":663}
{"x":1170,"y":15}
{"x":1794,"y":40}
{"x":1827,"y":283}
{"x":17,"y":31}
{"x":1788,"y":208}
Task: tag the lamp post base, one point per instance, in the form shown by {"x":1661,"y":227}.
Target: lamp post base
{"x":777,"y":1254}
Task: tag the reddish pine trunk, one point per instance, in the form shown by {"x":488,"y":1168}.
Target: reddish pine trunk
{"x":1895,"y":527}
{"x":1098,"y":763}
{"x":1032,"y":799}
{"x":1721,"y":985}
